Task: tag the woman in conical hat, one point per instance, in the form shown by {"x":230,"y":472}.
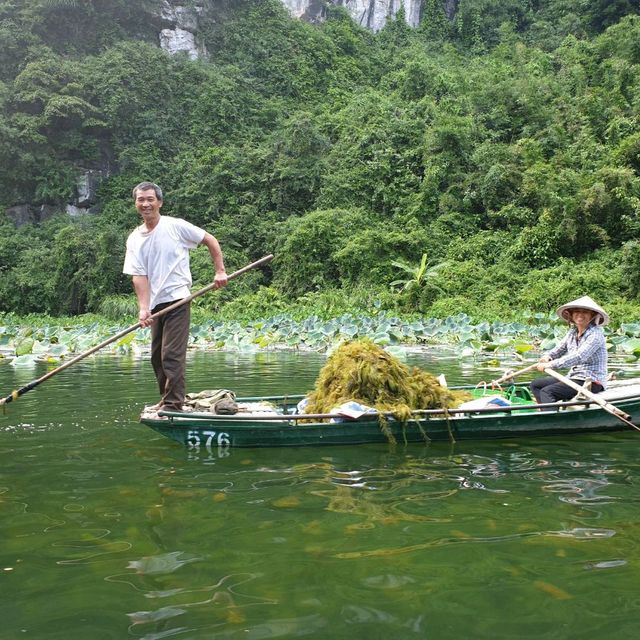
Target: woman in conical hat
{"x":583,"y":350}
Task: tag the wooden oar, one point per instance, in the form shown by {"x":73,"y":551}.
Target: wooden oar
{"x":613,"y":410}
{"x":16,"y":394}
{"x":513,"y":374}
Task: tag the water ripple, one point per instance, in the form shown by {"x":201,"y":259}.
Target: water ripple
{"x":606,"y":564}
{"x":161,"y":564}
{"x":577,"y":533}
{"x":585,"y":490}
{"x":143,"y":617}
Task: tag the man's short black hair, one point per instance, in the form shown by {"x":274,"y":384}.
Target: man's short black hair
{"x":145,"y":186}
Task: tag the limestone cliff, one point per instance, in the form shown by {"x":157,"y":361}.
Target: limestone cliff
{"x":180,"y":17}
{"x":372,"y":14}
{"x":180,"y":28}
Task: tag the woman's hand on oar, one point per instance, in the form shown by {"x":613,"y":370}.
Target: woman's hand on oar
{"x":512,"y":374}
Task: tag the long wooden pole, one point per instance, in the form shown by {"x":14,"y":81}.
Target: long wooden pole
{"x":513,"y":374}
{"x":614,"y":411}
{"x":34,"y":383}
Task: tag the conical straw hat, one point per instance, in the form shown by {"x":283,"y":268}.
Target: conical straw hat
{"x":601,"y":317}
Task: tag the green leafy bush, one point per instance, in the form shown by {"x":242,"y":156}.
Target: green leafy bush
{"x":501,"y":140}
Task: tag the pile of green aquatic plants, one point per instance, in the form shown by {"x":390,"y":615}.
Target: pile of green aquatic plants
{"x":363,"y":372}
{"x":28,"y":340}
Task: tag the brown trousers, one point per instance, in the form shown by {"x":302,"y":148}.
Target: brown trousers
{"x":169,"y":340}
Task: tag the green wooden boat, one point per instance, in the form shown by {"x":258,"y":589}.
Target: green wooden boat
{"x":271,"y":422}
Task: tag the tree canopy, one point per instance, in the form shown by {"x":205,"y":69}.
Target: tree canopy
{"x":504,"y":144}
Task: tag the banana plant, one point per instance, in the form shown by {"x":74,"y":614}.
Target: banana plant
{"x":420,"y":277}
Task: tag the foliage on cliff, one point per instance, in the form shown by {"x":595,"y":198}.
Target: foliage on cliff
{"x":503,"y":145}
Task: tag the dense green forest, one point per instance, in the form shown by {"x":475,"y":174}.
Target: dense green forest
{"x":486,"y":164}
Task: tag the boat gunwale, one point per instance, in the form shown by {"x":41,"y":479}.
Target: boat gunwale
{"x":176,"y":417}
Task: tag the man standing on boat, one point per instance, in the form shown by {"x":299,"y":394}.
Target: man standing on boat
{"x":157,"y":258}
{"x":583,"y":348}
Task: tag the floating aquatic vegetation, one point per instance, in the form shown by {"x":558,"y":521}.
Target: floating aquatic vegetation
{"x":362,"y":371}
{"x":26,"y":360}
{"x":58,"y":339}
{"x":24,"y":346}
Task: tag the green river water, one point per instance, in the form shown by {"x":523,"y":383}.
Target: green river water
{"x":110,"y":531}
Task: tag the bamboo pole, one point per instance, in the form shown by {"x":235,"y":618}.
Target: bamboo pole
{"x":512,"y":374}
{"x":14,"y":395}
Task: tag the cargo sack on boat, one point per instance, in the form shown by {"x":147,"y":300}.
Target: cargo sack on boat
{"x":226,"y":407}
{"x":220,"y":401}
{"x":363,"y":372}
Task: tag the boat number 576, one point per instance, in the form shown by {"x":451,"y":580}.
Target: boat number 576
{"x":208,"y":438}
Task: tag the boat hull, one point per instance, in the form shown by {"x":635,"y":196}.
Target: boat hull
{"x":210,"y":431}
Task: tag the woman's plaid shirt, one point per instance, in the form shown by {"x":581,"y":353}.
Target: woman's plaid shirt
{"x":587,"y":357}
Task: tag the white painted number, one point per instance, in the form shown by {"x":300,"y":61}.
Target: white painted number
{"x":211,"y":439}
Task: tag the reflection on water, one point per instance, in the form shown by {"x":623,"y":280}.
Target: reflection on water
{"x":111,"y":531}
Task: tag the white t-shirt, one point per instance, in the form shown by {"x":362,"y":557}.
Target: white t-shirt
{"x":163,"y":256}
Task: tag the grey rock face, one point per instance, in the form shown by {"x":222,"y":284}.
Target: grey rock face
{"x":22,"y":214}
{"x":74,"y":211}
{"x":372,"y":14}
{"x":181,"y":30}
{"x":182,"y":17}
{"x":176,"y":40}
{"x":310,"y":10}
{"x":86,"y":187}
